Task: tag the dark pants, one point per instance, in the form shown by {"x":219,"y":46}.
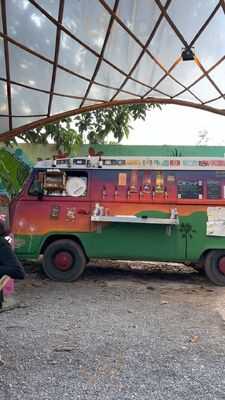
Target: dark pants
{"x":9,"y":263}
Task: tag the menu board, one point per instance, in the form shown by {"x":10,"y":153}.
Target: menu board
{"x":213,"y":189}
{"x":188,"y":189}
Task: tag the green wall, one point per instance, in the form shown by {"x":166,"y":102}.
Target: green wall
{"x":36,"y":151}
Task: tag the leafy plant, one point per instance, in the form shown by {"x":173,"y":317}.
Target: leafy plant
{"x":93,"y":127}
{"x":176,"y":153}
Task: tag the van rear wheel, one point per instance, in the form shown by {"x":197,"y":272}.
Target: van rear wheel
{"x":64,"y":260}
{"x":215,"y":267}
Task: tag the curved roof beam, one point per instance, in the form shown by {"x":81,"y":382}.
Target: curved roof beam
{"x":67,"y":57}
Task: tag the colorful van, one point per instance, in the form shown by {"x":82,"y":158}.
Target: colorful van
{"x":160,"y":208}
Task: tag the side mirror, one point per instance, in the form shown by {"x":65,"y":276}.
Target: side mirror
{"x":37,"y":189}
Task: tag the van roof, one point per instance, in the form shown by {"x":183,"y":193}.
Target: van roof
{"x":120,"y":163}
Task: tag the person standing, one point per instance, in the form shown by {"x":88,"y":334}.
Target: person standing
{"x":9,"y":263}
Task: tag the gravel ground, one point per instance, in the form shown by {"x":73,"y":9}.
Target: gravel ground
{"x":115,"y":335}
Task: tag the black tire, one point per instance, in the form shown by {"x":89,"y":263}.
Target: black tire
{"x":75,"y":255}
{"x":212,"y":268}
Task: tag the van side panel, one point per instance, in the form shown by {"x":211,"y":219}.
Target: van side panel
{"x":140,"y":193}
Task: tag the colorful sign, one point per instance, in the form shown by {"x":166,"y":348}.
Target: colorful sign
{"x":162,"y":163}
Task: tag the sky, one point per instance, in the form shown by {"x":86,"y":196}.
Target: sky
{"x":177,"y":125}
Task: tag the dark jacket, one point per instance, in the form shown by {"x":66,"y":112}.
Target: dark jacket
{"x":9,"y":263}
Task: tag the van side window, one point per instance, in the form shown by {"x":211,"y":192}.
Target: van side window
{"x":56,"y":182}
{"x":76,"y":184}
{"x":36,"y":187}
{"x":189,"y":189}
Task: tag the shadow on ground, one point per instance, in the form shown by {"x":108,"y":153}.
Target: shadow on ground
{"x":108,"y":269}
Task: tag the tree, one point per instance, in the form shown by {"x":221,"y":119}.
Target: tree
{"x":61,"y":133}
{"x":91,"y":127}
{"x":96,"y":126}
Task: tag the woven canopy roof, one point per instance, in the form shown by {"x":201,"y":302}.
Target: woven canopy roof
{"x":62,"y":57}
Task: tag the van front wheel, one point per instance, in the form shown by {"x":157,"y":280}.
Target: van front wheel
{"x":64,"y":260}
{"x":215,"y":267}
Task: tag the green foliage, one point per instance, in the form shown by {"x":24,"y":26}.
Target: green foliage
{"x":93,"y":127}
{"x":13,"y":172}
{"x":97,"y":125}
{"x":59,"y":132}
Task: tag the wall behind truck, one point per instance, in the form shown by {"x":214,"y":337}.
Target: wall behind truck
{"x":36,"y":151}
{"x":16,"y":162}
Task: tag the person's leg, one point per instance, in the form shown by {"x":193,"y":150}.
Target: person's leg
{"x":15,"y":272}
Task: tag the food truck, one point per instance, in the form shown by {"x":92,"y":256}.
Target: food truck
{"x":159,"y":208}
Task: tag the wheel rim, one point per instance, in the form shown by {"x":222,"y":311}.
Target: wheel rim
{"x":63,"y":260}
{"x":221,"y":265}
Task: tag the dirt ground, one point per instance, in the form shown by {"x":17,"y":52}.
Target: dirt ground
{"x":146,"y":332}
